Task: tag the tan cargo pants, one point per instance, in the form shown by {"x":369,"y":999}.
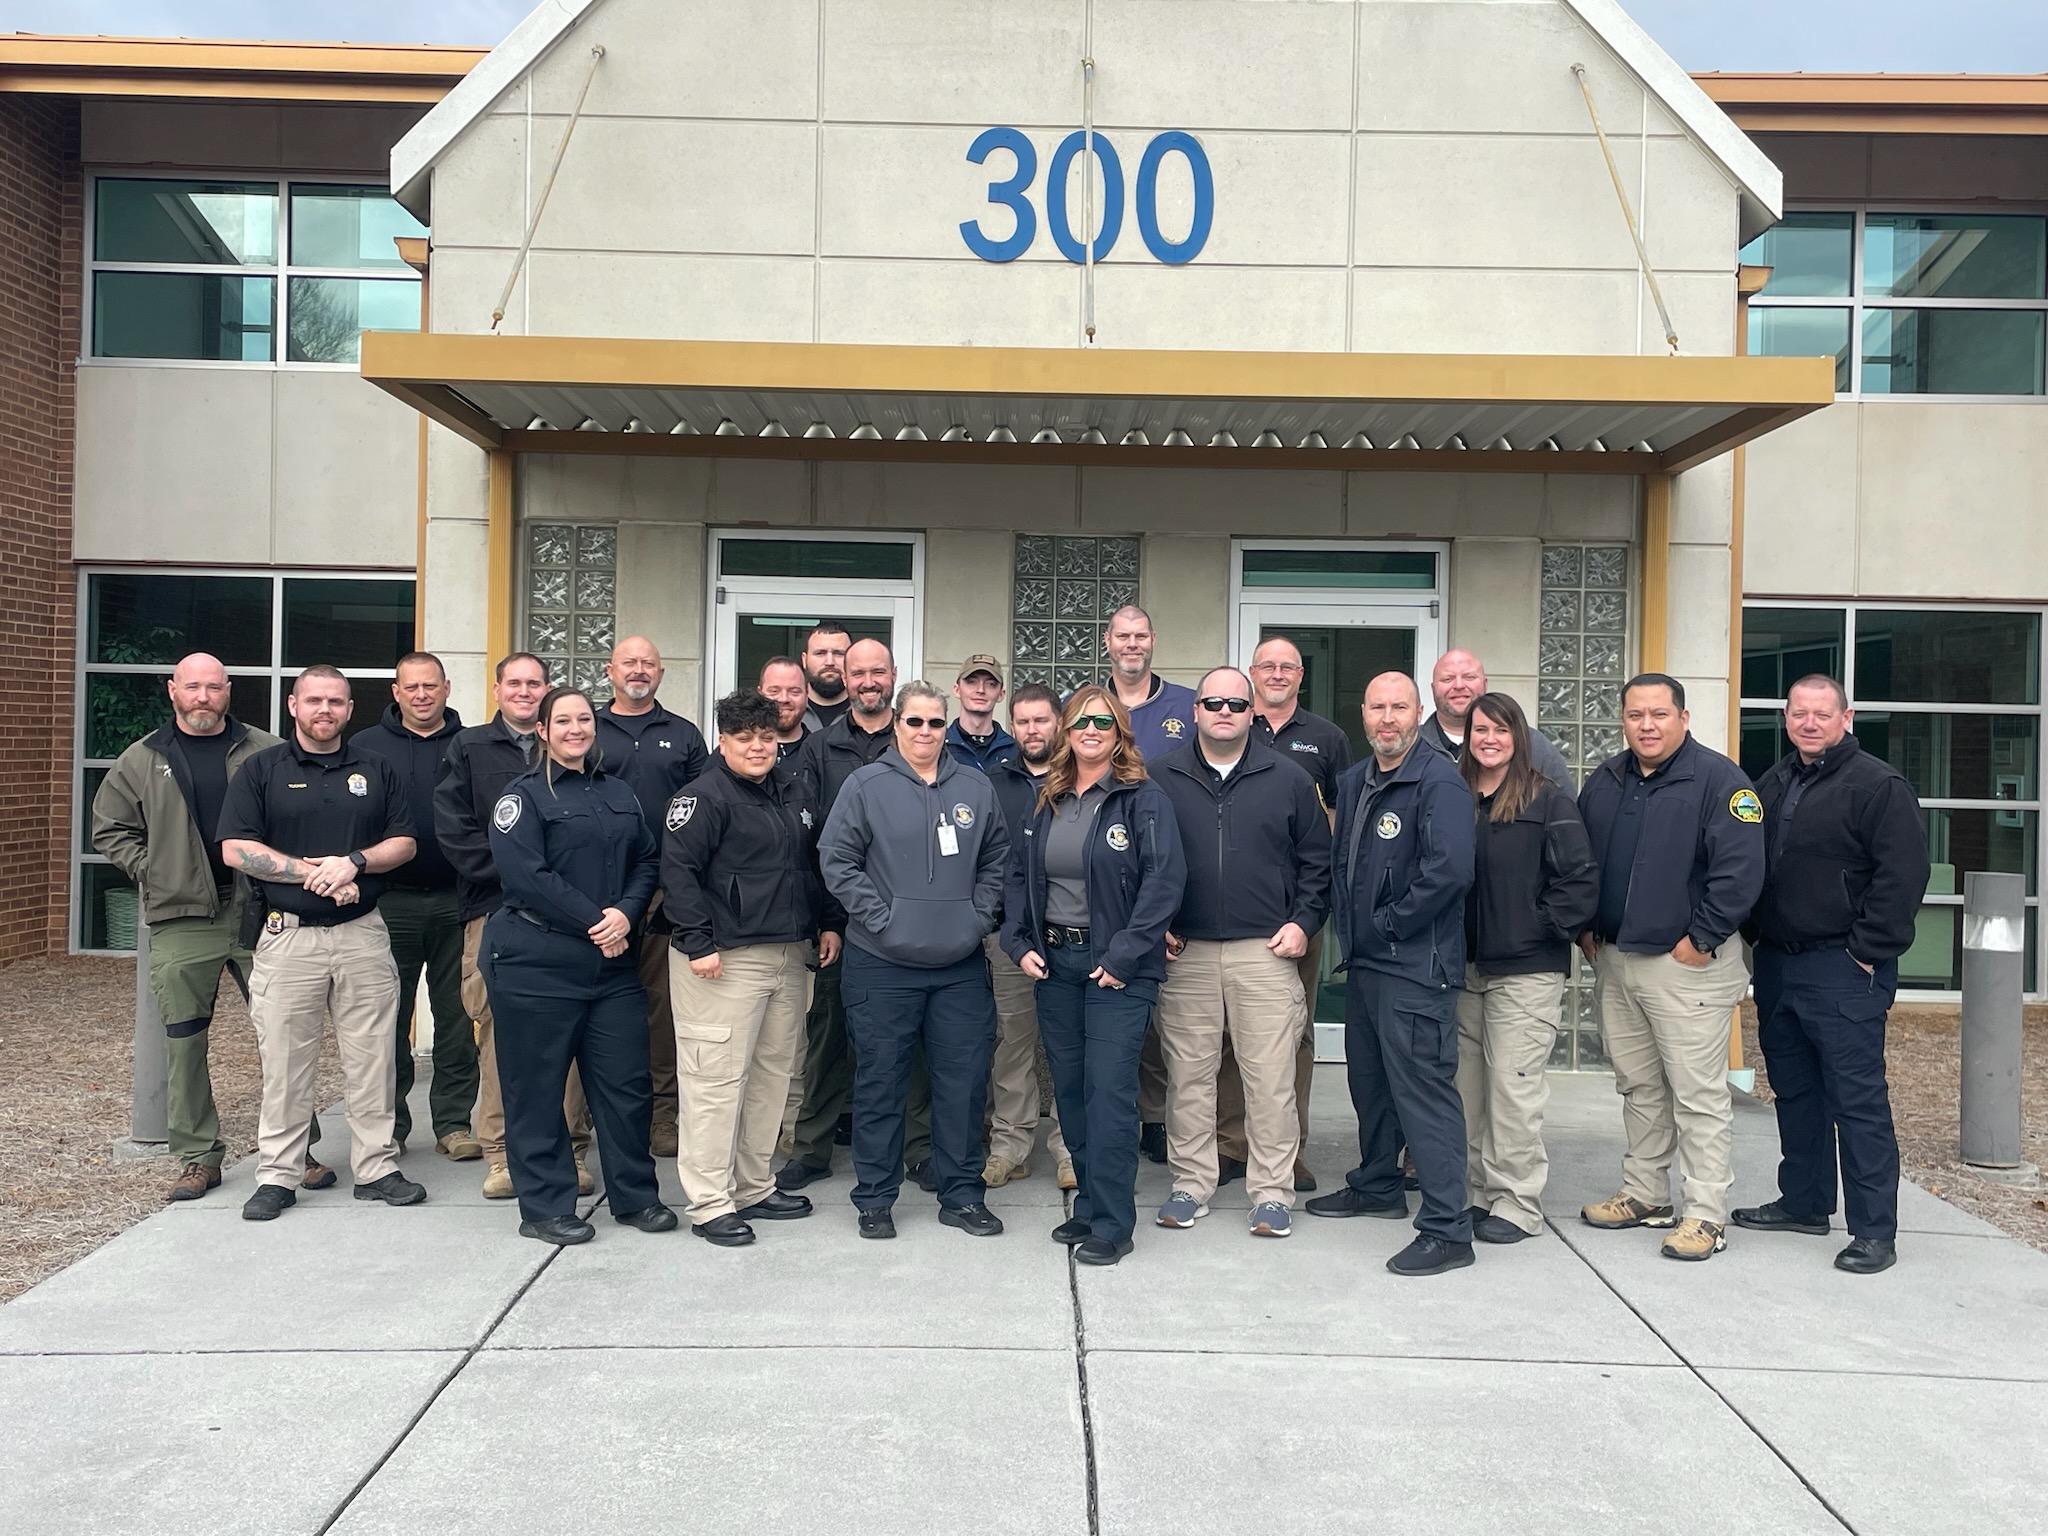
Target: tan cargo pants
{"x":1013,"y":1103}
{"x":1506,"y":1028}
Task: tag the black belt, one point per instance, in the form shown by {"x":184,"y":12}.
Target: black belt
{"x":540,"y":922}
{"x":1808,"y":946}
{"x":1062,"y":938}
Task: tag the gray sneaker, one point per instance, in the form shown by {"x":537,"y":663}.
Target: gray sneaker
{"x":1180,"y":1210}
{"x":1270,"y":1219}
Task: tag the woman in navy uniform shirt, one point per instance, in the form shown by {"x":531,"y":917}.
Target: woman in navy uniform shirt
{"x":578,"y":867}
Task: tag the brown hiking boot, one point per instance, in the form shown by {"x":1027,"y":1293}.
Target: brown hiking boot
{"x":498,"y":1182}
{"x":663,"y":1141}
{"x":1626,"y":1211}
{"x":317,"y":1175}
{"x":1695,"y":1240}
{"x":1065,"y":1174}
{"x":194,"y":1180}
{"x":459,"y":1146}
{"x":585,"y":1184}
{"x":1000,"y":1171}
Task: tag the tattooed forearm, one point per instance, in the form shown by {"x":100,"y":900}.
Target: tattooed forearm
{"x":265,"y":865}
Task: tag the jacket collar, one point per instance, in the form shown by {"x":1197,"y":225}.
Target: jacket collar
{"x":844,"y":733}
{"x":956,"y":737}
{"x":344,"y":753}
{"x":896,"y":760}
{"x":504,"y":729}
{"x":1682,"y":764}
{"x":394,"y":722}
{"x":1187,"y":761}
{"x":645,"y":720}
{"x":1829,"y":762}
{"x":163,"y":736}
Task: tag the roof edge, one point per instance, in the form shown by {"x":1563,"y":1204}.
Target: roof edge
{"x":503,"y":67}
{"x":1761,"y":183}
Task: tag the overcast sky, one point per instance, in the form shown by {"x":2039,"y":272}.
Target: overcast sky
{"x":1903,"y":36}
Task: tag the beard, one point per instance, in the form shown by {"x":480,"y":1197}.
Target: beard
{"x":1041,"y":754}
{"x":200,"y":722}
{"x":827,"y":688}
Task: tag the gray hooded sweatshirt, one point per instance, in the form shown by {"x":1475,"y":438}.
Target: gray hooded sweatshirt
{"x":883,"y":857}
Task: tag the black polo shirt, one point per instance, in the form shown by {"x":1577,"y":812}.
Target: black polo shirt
{"x":313,"y":805}
{"x":1318,"y":746}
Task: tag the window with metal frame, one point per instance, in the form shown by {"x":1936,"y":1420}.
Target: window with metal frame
{"x":245,"y":269}
{"x":1947,"y":303}
{"x":1951,"y":697}
{"x":264,"y":626}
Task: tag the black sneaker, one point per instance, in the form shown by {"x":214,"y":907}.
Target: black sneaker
{"x":1072,"y":1231}
{"x":392,"y":1189}
{"x":1349,"y":1202}
{"x":1152,"y":1140}
{"x":268,"y":1203}
{"x":795,"y":1174}
{"x":562,"y":1231}
{"x":974,"y":1220}
{"x":1429,"y":1255}
{"x":877,"y":1223}
{"x":923,"y":1175}
{"x":1101,"y":1252}
{"x":1490,"y":1228}
{"x":654,"y":1218}
{"x":1773,"y":1217}
{"x":777,"y":1206}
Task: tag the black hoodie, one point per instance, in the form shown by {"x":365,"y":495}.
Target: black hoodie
{"x":419,"y":760}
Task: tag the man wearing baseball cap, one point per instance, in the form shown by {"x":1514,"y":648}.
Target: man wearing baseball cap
{"x":975,"y":738}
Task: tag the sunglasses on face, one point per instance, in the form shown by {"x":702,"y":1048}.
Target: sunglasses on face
{"x":1218,"y":706}
{"x":918,"y":724}
{"x":1099,"y":722}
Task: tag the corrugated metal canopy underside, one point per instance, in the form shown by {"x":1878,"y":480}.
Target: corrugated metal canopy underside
{"x":1627,"y":415}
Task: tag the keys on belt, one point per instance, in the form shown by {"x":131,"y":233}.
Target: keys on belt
{"x":1064,"y":938}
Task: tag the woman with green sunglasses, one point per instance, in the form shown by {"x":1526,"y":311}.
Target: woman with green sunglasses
{"x":1094,"y":879}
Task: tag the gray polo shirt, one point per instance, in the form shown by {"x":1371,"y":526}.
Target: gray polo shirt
{"x":1066,"y":856}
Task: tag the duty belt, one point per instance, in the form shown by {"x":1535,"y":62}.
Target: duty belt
{"x":1063,"y":938}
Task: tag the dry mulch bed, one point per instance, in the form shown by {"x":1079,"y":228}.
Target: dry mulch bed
{"x":67,"y":1043}
{"x":1923,"y":1058}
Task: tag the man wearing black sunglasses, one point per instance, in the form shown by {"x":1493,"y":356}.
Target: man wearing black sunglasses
{"x":1257,"y":843}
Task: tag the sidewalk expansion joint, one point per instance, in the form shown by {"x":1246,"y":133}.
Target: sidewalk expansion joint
{"x":1700,"y":1376}
{"x":433,"y":1397}
{"x":1081,"y":1377}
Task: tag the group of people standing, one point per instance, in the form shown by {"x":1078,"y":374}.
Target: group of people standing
{"x":853,"y":920}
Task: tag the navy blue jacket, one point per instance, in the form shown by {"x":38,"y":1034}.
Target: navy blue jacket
{"x":1404,"y":864}
{"x":1017,"y":793}
{"x":1700,"y":863}
{"x":1133,"y":889}
{"x":566,"y":845}
{"x":967,"y":753}
{"x":1267,"y":863}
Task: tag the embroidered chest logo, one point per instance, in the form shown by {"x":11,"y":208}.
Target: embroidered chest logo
{"x":805,"y":815}
{"x":1304,"y":746}
{"x":1389,"y":826}
{"x":665,"y":746}
{"x":1174,"y":728}
{"x":506,"y":816}
{"x":1743,"y":805}
{"x":680,"y":810}
{"x":963,"y":816}
{"x":1118,"y":836}
{"x":358,"y":785}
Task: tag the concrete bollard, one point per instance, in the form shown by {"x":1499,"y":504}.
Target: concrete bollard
{"x":149,"y":1124}
{"x":1994,"y":959}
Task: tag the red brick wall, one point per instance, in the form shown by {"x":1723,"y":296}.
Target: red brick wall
{"x":39,"y":294}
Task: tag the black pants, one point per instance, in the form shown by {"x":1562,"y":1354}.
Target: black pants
{"x":1093,"y":1036}
{"x":426,"y":933}
{"x":554,"y":1000}
{"x":826,"y":1069}
{"x":1820,"y":1021}
{"x":1401,"y":1056}
{"x":891,"y":1010}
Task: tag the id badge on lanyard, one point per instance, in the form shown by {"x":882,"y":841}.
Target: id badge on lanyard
{"x":949,"y":840}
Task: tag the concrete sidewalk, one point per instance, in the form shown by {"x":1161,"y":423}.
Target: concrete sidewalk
{"x":366,"y":1370}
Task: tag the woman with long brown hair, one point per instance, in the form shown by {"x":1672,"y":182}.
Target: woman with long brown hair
{"x":1094,"y":879}
{"x":1535,"y":886}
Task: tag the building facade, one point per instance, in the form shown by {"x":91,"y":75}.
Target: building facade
{"x":1362,"y":351}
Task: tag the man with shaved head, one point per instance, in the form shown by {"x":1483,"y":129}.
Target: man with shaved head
{"x":1455,"y":681}
{"x":155,"y":816}
{"x":1404,"y":860}
{"x":656,"y":753}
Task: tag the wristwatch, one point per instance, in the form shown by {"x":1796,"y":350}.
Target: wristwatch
{"x":360,"y":860}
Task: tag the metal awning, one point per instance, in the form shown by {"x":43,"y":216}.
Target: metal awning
{"x":1225,"y":410}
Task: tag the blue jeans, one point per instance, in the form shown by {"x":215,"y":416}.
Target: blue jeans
{"x":890,"y":1010}
{"x":1820,"y":1021}
{"x":1092,"y":1037}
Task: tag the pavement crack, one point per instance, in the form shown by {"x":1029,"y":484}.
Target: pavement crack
{"x":1081,"y":1377}
{"x":1701,"y":1377}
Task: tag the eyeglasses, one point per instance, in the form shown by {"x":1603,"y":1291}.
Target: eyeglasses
{"x":1100,"y":722}
{"x":1217,"y":706}
{"x":1275,"y":666}
{"x":917,"y":724}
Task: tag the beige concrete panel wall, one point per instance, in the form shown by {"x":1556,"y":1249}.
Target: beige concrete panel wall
{"x":1198,"y":64}
{"x":1954,"y":500}
{"x":1493,"y":68}
{"x":1421,"y":506}
{"x":454,"y":598}
{"x":1277,"y":502}
{"x":661,"y":596}
{"x":1821,"y":166}
{"x":173,"y":464}
{"x":1912,"y":166}
{"x":480,"y":189}
{"x":347,"y":472}
{"x":1800,"y":492}
{"x":1595,"y":509}
{"x":1220,"y":308}
{"x":685,"y":298}
{"x":966,"y":599}
{"x":1703,"y":503}
{"x":1686,"y":205}
{"x":1696,"y":632}
{"x":1702,"y":306}
{"x":867,"y":207}
{"x":1184,"y":583}
{"x":936,"y":61}
{"x":1706,"y":700}
{"x":964,"y":303}
{"x":765,"y":491}
{"x":935,"y":496}
{"x":1493,"y":610}
{"x":597,"y":489}
{"x":466,"y":284}
{"x":1426,"y":310}
{"x":689,"y":58}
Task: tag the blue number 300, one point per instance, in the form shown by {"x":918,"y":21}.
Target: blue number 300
{"x":1013,"y":193}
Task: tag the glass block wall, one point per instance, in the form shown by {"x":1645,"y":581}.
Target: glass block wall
{"x":1063,"y":592}
{"x":1583,"y":658}
{"x":572,"y":600}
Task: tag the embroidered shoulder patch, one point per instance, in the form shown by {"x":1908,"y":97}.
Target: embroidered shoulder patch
{"x":1743,"y":805}
{"x":506,"y":816}
{"x":680,"y":810}
{"x":1118,"y":836}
